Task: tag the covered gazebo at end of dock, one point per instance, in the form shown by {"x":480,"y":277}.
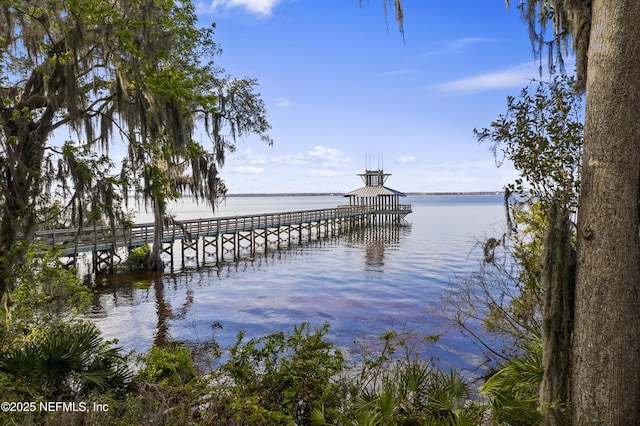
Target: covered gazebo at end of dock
{"x":382,"y":200}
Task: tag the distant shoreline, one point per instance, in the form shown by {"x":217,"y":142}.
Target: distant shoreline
{"x":325,"y":194}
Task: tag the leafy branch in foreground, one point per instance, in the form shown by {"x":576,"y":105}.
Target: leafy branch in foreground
{"x":66,"y":361}
{"x":542,"y":134}
{"x":513,"y":392}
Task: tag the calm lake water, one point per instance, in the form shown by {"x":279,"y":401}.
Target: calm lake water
{"x":362,"y":284}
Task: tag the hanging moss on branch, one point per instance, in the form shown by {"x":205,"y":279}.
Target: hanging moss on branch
{"x":557,"y":322}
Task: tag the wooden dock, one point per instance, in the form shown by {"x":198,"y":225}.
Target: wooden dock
{"x":214,"y":238}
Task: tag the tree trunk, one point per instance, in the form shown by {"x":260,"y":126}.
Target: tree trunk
{"x":606,"y":346}
{"x":163,"y":312}
{"x":557,"y":321}
{"x":155,"y":261}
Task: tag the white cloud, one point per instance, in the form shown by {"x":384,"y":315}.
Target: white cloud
{"x":457,"y":45}
{"x":517,"y":76}
{"x":283,"y":102}
{"x":261,"y":7}
{"x":248,"y":170}
{"x":329,"y":157}
{"x":320,"y":172}
{"x":244,"y":154}
{"x":322,"y":152}
{"x":406,"y":159}
{"x":322,"y":155}
{"x":316,"y":162}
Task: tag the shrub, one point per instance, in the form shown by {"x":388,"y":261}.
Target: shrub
{"x":46,"y":293}
{"x":139,"y":257}
{"x":281,"y":377}
{"x":172,"y":367}
{"x":68,"y":361}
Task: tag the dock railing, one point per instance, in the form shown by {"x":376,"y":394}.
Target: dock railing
{"x":96,"y":238}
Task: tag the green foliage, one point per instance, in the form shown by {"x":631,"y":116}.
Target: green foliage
{"x":271,"y":380}
{"x":396,"y":386}
{"x":416,"y":394}
{"x":171,"y":367}
{"x":46,"y":354}
{"x":542,"y":135}
{"x":281,"y":377}
{"x":391,"y":348}
{"x":513,"y":391}
{"x":142,"y":71}
{"x":139,"y":257}
{"x":166,"y":391}
{"x":67,"y":361}
{"x":278,"y":379}
{"x":524,"y":304}
{"x":45,"y":294}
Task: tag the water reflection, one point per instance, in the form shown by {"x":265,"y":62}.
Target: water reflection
{"x":375,"y":240}
{"x":363,"y":283}
{"x":122,"y":301}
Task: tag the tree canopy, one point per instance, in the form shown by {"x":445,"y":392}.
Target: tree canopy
{"x":141,"y":71}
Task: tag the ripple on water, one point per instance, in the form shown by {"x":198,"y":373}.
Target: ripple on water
{"x":361,"y":285}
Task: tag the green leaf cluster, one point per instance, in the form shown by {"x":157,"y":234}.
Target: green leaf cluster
{"x":541,"y":134}
{"x":513,"y":391}
{"x":298,"y":377}
{"x":395,"y":385}
{"x":171,"y":367}
{"x":46,"y":293}
{"x":66,"y":361}
{"x":282,"y":377}
{"x":139,"y":257}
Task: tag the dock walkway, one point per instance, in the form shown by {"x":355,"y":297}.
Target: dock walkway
{"x":104,"y":241}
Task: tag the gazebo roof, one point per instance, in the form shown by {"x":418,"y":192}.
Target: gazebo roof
{"x":374,"y":191}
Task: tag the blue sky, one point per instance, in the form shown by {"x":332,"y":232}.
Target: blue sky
{"x":341,"y":85}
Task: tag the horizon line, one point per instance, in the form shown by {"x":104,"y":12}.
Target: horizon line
{"x":293,"y":194}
